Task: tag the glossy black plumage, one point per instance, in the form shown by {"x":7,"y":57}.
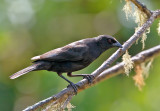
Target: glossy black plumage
{"x":72,"y":57}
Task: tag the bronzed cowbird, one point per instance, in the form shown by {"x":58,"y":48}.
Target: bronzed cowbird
{"x":72,"y":57}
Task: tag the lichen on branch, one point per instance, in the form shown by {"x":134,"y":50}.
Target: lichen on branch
{"x":142,"y":72}
{"x":127,"y":8}
{"x":61,"y":104}
{"x":146,"y":68}
{"x":128,"y":63}
{"x":140,"y":18}
{"x":138,"y":78}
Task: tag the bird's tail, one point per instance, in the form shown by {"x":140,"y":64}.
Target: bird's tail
{"x":39,"y":65}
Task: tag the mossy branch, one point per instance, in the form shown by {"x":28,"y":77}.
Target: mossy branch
{"x":142,"y":7}
{"x":143,"y":56}
{"x":102,"y":72}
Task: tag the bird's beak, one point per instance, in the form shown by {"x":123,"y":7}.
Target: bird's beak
{"x":117,"y":44}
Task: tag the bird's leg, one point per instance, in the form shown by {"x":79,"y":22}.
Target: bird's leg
{"x":87,"y":76}
{"x":71,"y":83}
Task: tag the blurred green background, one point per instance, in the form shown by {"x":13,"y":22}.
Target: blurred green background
{"x":32,"y":27}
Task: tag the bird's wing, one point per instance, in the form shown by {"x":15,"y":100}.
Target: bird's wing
{"x":70,"y":52}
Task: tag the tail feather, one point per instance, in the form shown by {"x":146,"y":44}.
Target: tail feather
{"x":23,"y":71}
{"x":38,"y":65}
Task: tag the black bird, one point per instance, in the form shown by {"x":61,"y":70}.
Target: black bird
{"x":72,"y":57}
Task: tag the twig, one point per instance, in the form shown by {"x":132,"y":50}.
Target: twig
{"x":117,"y":69}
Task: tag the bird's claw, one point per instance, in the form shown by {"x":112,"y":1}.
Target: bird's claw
{"x":89,"y":78}
{"x":74,"y":86}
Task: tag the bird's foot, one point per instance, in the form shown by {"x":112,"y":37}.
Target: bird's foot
{"x":74,"y":86}
{"x":89,"y":78}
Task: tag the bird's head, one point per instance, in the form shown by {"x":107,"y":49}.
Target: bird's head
{"x":106,"y":42}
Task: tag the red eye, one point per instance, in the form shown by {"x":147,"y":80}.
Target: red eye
{"x":111,"y":41}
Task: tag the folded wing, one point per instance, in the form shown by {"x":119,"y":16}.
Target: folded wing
{"x":70,"y":52}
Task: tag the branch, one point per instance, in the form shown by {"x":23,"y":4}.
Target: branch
{"x":142,"y":57}
{"x":127,"y":44}
{"x":142,"y":7}
{"x":101,"y":73}
{"x":113,"y":71}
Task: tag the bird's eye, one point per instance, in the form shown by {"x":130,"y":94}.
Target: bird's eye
{"x":111,"y":41}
